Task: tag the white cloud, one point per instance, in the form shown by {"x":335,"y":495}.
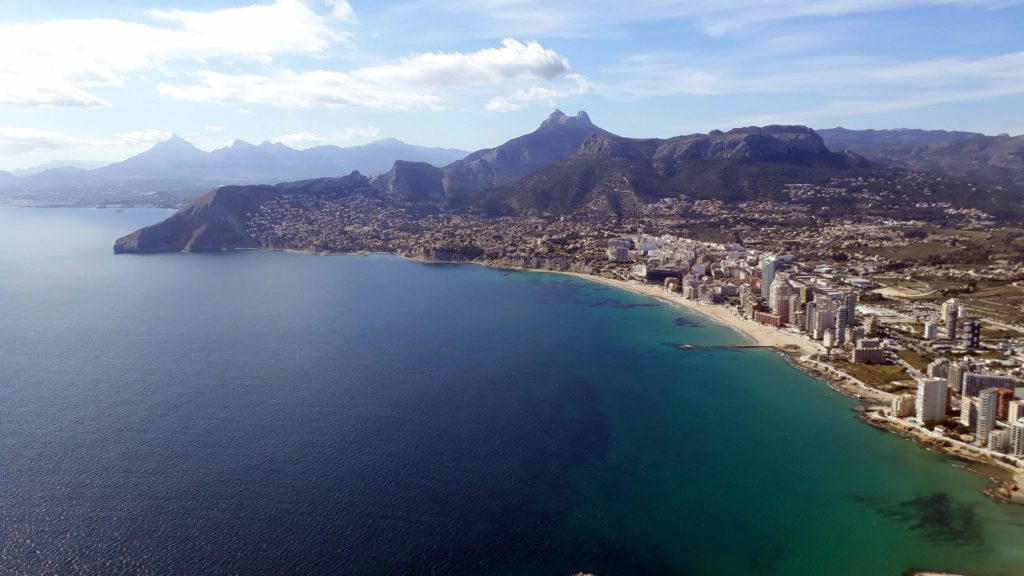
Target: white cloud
{"x":590,"y":17}
{"x":23,"y":140}
{"x":522,"y":98}
{"x":645,"y":76}
{"x":290,"y":89}
{"x":213,"y":128}
{"x":841,"y":108}
{"x":62,"y":62}
{"x":408,"y":84}
{"x":341,"y":10}
{"x":514,"y":60}
{"x":310,"y":139}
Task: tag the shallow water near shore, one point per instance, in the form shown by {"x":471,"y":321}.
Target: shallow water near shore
{"x":267,"y":413}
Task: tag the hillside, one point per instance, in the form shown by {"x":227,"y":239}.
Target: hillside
{"x":997,"y":159}
{"x":218,"y":220}
{"x":566,"y":167}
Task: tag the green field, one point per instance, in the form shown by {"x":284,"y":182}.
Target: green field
{"x":914,"y":359}
{"x":880,"y":376}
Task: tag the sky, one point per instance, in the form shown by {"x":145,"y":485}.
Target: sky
{"x":101,"y":80}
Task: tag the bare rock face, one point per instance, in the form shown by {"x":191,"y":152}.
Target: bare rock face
{"x":558,"y":137}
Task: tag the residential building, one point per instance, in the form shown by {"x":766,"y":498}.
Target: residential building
{"x":999,"y":440}
{"x":975,"y":382}
{"x":931,"y":331}
{"x":939,"y":368}
{"x":1005,"y":396}
{"x":930,"y":402}
{"x":871,"y":325}
{"x":1017,"y":438}
{"x":968,"y":411}
{"x":1015,"y":411}
{"x":972,"y":333}
{"x":903,"y":405}
{"x":955,"y":374}
{"x":868,"y":352}
{"x":769,"y":266}
{"x":950,"y":314}
{"x":768,"y":318}
{"x":986,"y":415}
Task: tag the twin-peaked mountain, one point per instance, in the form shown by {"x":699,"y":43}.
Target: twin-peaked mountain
{"x":558,"y":137}
{"x":610,"y":174}
{"x":566,"y":166}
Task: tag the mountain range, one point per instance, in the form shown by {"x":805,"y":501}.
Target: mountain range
{"x":176,"y":170}
{"x":568,"y":166}
{"x":997,"y":159}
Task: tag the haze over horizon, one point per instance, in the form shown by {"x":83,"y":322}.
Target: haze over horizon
{"x":103,"y":82}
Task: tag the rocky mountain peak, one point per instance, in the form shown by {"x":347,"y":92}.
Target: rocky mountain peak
{"x":556,"y":118}
{"x":559,"y":118}
{"x":175,"y":142}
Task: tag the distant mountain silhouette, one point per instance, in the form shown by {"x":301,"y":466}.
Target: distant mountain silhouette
{"x":176,"y":166}
{"x":60,"y":164}
{"x":997,"y":159}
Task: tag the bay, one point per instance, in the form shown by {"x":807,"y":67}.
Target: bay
{"x":269,"y":413}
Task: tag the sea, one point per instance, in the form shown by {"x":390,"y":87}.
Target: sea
{"x":254,"y":413}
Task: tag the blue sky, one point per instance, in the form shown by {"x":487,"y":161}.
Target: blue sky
{"x":101,"y":80}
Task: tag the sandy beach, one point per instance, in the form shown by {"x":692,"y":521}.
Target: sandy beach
{"x":796,"y":349}
{"x":758,"y":334}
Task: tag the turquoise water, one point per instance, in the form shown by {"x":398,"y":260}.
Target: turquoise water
{"x":267,"y":413}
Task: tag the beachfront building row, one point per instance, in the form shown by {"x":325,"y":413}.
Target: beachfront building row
{"x":992,"y":411}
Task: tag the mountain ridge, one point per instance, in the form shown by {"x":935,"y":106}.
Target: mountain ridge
{"x":997,"y":159}
{"x":614,"y":175}
{"x":570,"y":167}
{"x":177,"y":168}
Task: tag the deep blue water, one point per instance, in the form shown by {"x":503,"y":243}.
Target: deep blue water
{"x":271,"y":413}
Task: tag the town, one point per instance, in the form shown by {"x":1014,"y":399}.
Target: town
{"x":918,"y":317}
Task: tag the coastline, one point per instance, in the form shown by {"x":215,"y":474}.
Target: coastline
{"x":797,"y":350}
{"x":794,"y":348}
{"x":1008,"y":480}
{"x":756,"y":334}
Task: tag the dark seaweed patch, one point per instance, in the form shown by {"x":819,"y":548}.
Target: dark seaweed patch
{"x":684,"y":321}
{"x":936,"y":518}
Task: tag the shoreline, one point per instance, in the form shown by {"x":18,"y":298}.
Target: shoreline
{"x":1007,"y":485}
{"x":795,"y":349}
{"x":757,"y":334}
